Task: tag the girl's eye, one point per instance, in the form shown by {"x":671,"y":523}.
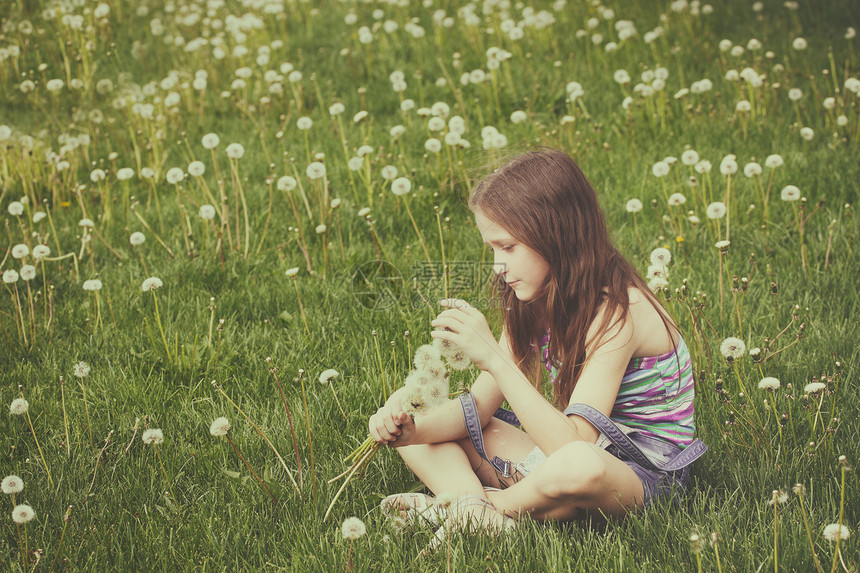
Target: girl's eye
{"x":507,"y":248}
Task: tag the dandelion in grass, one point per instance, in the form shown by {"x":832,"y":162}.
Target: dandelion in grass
{"x":11,"y":485}
{"x":81,"y":370}
{"x":151,"y":285}
{"x":814,"y":387}
{"x":327,"y":378}
{"x":777,"y":497}
{"x":835,"y":531}
{"x":155,"y":437}
{"x":732,"y":348}
{"x":21,"y":407}
{"x":10,"y":277}
{"x":352,"y":528}
{"x":291,"y":273}
{"x":220,"y":427}
{"x":23,"y":514}
{"x":789,"y":193}
{"x":660,"y":257}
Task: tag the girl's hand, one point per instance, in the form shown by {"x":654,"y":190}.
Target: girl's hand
{"x":466,"y":326}
{"x":390,"y":425}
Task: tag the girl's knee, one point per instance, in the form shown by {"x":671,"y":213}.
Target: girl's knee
{"x":573,"y":472}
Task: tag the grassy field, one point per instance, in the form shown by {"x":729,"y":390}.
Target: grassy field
{"x":290,"y":254}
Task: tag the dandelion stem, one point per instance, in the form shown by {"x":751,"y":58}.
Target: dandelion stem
{"x":808,"y":531}
{"x":160,"y":328}
{"x":260,"y":433}
{"x":41,"y":455}
{"x":841,"y":516}
{"x":417,"y":231}
{"x":381,"y":367}
{"x":98,"y":459}
{"x":292,"y":429}
{"x":247,"y":465}
{"x":164,"y":471}
{"x":310,"y":440}
{"x":301,"y":306}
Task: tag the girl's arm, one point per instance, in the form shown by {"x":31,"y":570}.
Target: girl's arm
{"x":550,"y":429}
{"x":441,"y":424}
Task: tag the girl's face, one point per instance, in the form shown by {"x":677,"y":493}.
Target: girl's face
{"x":522,"y":269}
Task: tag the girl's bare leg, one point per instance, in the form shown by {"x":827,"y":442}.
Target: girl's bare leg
{"x":576,"y":480}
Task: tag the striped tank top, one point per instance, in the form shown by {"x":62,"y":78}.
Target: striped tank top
{"x":655,"y":396}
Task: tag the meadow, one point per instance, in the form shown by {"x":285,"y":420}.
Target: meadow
{"x":209,"y":206}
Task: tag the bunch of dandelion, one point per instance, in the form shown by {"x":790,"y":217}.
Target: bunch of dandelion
{"x":20,"y":407}
{"x":21,"y":515}
{"x":221,"y":427}
{"x":425,"y":388}
{"x":155,"y":437}
{"x":353,"y":528}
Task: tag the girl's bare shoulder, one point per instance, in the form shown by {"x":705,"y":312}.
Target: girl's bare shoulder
{"x":650,"y":335}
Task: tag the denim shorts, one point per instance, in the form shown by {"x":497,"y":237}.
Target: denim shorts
{"x":655,"y":484}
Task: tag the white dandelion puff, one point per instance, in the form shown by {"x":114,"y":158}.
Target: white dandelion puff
{"x":733,"y":348}
{"x":19,"y":406}
{"x":153,"y":436}
{"x":137,"y":238}
{"x":326,"y":376}
{"x":661,"y":256}
{"x":769,"y":383}
{"x":22,"y":514}
{"x":12,"y":484}
{"x":353,"y":528}
{"x":835,"y":531}
{"x":151,"y":283}
{"x":219,"y":427}
{"x":81,"y":369}
{"x":634,"y":205}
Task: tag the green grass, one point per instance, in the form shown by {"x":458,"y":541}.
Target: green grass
{"x":123,"y":517}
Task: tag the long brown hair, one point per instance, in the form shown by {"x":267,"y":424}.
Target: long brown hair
{"x":544,"y":200}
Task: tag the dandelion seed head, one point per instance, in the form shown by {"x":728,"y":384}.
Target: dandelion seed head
{"x":807,"y":133}
{"x":436,"y":393}
{"x":92,"y":285}
{"x":292,"y":272}
{"x":207,"y":212}
{"x":219,"y":427}
{"x":634,"y":205}
{"x":320,"y":229}
{"x":835,"y":531}
{"x":677,"y":199}
{"x":151,"y":283}
{"x":389,"y":172}
{"x":660,"y":169}
{"x":777,"y":497}
{"x":752,"y":169}
{"x":326,"y":376}
{"x":152,"y":436}
{"x":722,"y":245}
{"x":20,"y":251}
{"x":401,"y":186}
{"x":690,"y":157}
{"x":196,"y":168}
{"x":768,"y":383}
{"x":789,"y":193}
{"x":773,"y":161}
{"x":235,"y":151}
{"x":336,"y":108}
{"x":174,"y":175}
{"x":716,"y":210}
{"x":22,"y":514}
{"x":81,"y":369}
{"x":353,"y":528}
{"x":458,"y":360}
{"x":413,"y":400}
{"x":661,"y":256}
{"x":12,"y":484}
{"x":814,"y":387}
{"x":799,"y":44}
{"x":426,"y":354}
{"x":211,"y":141}
{"x":137,"y":238}
{"x":316,"y":170}
{"x":733,"y":348}
{"x":19,"y":406}
{"x":10,"y":276}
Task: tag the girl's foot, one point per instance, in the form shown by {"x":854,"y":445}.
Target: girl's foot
{"x":412,"y":509}
{"x":471,"y":513}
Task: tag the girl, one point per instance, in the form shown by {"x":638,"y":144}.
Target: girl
{"x":619,"y":432}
